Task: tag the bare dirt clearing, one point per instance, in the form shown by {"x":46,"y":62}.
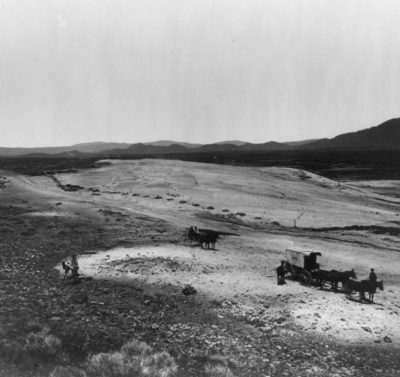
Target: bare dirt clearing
{"x":150,"y":203}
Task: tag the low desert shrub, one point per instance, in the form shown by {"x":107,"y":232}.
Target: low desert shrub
{"x":114,"y":364}
{"x":218,"y":370}
{"x":159,"y":364}
{"x":42,"y":344}
{"x":6,"y":229}
{"x":67,"y":372}
{"x":28,"y":231}
{"x":135,"y":359}
{"x":136,"y":348}
{"x":11,"y":351}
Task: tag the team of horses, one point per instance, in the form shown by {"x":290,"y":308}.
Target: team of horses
{"x":348,"y":283}
{"x":347,"y":279}
{"x":205,"y":240}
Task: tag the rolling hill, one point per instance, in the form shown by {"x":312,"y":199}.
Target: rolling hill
{"x":383,"y":136}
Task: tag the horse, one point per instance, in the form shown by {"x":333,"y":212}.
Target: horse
{"x":341,"y":276}
{"x":334,"y":277}
{"x":362,"y":287}
{"x":206,"y":240}
{"x":191,"y":236}
{"x":211,"y":239}
{"x":322,"y":276}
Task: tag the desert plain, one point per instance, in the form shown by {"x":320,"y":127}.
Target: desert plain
{"x":127,"y":222}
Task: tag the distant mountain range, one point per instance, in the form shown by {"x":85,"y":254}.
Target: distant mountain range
{"x":94,"y":147}
{"x":384,"y":136}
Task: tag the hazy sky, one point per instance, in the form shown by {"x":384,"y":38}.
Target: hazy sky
{"x":195,"y":70}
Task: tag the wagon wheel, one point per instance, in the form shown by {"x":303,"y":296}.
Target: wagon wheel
{"x":305,"y":278}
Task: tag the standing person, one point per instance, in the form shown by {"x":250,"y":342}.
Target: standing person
{"x":66,"y":269}
{"x":280,"y":272}
{"x":74,"y":267}
{"x":372,"y":276}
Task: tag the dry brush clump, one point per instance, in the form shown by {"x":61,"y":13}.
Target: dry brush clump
{"x":38,"y":346}
{"x":6,"y":229}
{"x":217,"y":367}
{"x":69,"y":371}
{"x":42,"y":344}
{"x":135,"y":359}
{"x":218,"y":370}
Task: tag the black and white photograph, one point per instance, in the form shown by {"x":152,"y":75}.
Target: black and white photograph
{"x":199,"y":188}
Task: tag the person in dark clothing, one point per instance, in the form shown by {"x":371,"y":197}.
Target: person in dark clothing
{"x":66,"y":269}
{"x":372,"y":275}
{"x":74,"y":267}
{"x":280,"y":272}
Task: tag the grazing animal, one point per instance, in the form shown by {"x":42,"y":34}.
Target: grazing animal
{"x":363,"y":286}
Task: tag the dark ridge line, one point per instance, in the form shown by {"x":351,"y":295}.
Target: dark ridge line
{"x":377,"y":229}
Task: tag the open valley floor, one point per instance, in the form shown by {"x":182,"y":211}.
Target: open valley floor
{"x":127,"y":220}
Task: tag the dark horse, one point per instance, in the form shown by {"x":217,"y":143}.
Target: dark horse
{"x":208,"y":240}
{"x":322,"y":276}
{"x":191,"y":236}
{"x":363,"y":286}
{"x":334,"y":277}
{"x":343,"y":277}
{"x":205,"y":240}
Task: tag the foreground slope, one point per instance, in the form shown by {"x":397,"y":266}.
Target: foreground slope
{"x":133,"y":215}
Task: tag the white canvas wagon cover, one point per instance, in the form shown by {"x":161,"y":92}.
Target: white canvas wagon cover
{"x":301,"y":258}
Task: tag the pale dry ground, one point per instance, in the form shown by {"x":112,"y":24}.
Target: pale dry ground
{"x":242,"y":268}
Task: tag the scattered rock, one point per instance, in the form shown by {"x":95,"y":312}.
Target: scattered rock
{"x":79,"y":298}
{"x":34,"y":327}
{"x":55,"y":319}
{"x":189,"y":290}
{"x":386,"y":339}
